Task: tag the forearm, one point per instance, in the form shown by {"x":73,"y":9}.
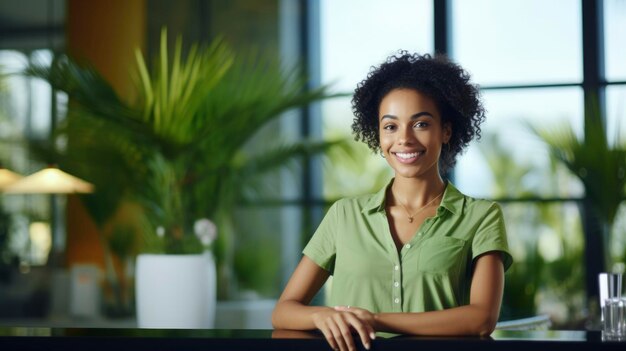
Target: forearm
{"x":290,"y":314}
{"x":464,"y":320}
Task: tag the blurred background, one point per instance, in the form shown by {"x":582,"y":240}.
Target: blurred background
{"x":540,"y":63}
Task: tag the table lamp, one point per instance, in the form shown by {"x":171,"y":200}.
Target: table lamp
{"x":7,"y":178}
{"x":50,"y":180}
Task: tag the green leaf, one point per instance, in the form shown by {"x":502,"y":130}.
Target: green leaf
{"x":601,"y":167}
{"x":174,"y":148}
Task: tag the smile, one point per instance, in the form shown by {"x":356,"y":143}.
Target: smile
{"x":408,"y":157}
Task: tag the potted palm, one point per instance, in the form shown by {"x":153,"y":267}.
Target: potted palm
{"x":175,"y":152}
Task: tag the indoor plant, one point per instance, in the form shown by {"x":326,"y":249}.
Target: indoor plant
{"x":600,"y":166}
{"x":176,"y":150}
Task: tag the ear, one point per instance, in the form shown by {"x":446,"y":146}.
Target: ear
{"x":447,"y":132}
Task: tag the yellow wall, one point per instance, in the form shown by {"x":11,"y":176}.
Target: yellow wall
{"x":105,"y":33}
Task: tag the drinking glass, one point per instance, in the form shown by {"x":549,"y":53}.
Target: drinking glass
{"x":612,"y":304}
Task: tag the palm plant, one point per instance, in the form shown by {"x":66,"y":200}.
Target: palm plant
{"x":177,"y":150}
{"x":600,"y":166}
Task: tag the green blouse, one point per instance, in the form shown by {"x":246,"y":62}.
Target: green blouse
{"x":432,"y":272}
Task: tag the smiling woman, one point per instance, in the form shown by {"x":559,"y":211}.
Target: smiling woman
{"x":411,"y":132}
{"x":417,"y":257}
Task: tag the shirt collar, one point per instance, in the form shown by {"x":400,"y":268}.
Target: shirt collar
{"x":452,"y":200}
{"x":376,"y":203}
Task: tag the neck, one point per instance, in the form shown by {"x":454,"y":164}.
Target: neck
{"x":415,"y":192}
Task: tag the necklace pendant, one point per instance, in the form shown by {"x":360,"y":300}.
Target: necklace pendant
{"x":410,"y":219}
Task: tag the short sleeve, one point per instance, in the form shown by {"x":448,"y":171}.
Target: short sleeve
{"x":321,"y":248}
{"x":491,"y":235}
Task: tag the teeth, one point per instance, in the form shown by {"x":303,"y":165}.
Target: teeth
{"x":407,"y":155}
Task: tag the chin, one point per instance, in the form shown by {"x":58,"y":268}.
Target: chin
{"x":414,"y":172}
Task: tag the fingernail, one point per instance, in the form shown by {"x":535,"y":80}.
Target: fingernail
{"x":367,"y":346}
{"x":373,"y":336}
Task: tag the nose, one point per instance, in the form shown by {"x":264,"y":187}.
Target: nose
{"x":406,"y":136}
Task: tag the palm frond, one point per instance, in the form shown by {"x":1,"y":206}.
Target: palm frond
{"x":171,"y":98}
{"x":281,"y":156}
{"x":601,"y":167}
{"x":174,"y":148}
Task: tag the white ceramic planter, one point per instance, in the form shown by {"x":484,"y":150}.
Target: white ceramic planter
{"x":175,"y":291}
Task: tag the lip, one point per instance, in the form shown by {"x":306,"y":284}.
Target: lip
{"x":409,"y":160}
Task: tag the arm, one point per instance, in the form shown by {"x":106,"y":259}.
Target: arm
{"x":477,"y":318}
{"x":292,"y":310}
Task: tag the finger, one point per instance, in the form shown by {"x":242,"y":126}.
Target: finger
{"x":363,"y":329}
{"x":371,"y":332}
{"x":339,"y":340}
{"x":346,"y":333}
{"x":330,"y":338}
{"x":359,"y":313}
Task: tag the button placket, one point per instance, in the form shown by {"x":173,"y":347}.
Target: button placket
{"x":396,"y":291}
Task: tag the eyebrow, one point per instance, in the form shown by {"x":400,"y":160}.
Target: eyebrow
{"x":415,"y":116}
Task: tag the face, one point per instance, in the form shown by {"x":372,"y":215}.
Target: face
{"x":411,"y":133}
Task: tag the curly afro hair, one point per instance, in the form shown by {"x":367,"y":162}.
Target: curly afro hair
{"x":445,"y":82}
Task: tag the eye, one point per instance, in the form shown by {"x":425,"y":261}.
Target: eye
{"x":389,"y":127}
{"x":420,"y":124}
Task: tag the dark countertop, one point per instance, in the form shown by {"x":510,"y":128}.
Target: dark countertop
{"x":29,"y":338}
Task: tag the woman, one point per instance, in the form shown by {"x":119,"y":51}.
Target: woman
{"x":418,"y":257}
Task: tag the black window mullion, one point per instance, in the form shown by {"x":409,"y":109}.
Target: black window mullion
{"x":593,"y":86}
{"x":442,"y":28}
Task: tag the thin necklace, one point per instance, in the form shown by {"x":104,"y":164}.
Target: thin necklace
{"x":421,"y":208}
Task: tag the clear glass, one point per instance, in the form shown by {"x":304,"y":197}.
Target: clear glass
{"x":610,"y":286}
{"x":14,"y":107}
{"x":518,"y":41}
{"x":612,"y":304}
{"x":350,"y":46}
{"x":614,"y":34}
{"x":510,"y":160}
{"x":616,"y":114}
{"x":614,"y":312}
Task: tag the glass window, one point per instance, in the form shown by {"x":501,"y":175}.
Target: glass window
{"x":616,"y":113}
{"x":24,"y":112}
{"x":546,"y":241}
{"x":617,"y":240}
{"x":15,"y":94}
{"x":349,"y":47}
{"x":519,"y":41}
{"x":509,"y":160}
{"x":614,"y":34}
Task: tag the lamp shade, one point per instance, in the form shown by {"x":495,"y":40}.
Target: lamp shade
{"x":50,"y":180}
{"x":7,"y":178}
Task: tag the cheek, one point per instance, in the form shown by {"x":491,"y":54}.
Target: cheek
{"x":384,"y":139}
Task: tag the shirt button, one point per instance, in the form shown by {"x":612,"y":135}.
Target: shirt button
{"x":397,"y":300}
{"x":396,"y":267}
{"x":396,"y":284}
{"x":408,"y":246}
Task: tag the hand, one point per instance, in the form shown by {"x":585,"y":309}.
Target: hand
{"x":337,"y":326}
{"x":362,"y":314}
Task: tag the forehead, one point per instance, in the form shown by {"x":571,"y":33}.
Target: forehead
{"x":407,"y":101}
